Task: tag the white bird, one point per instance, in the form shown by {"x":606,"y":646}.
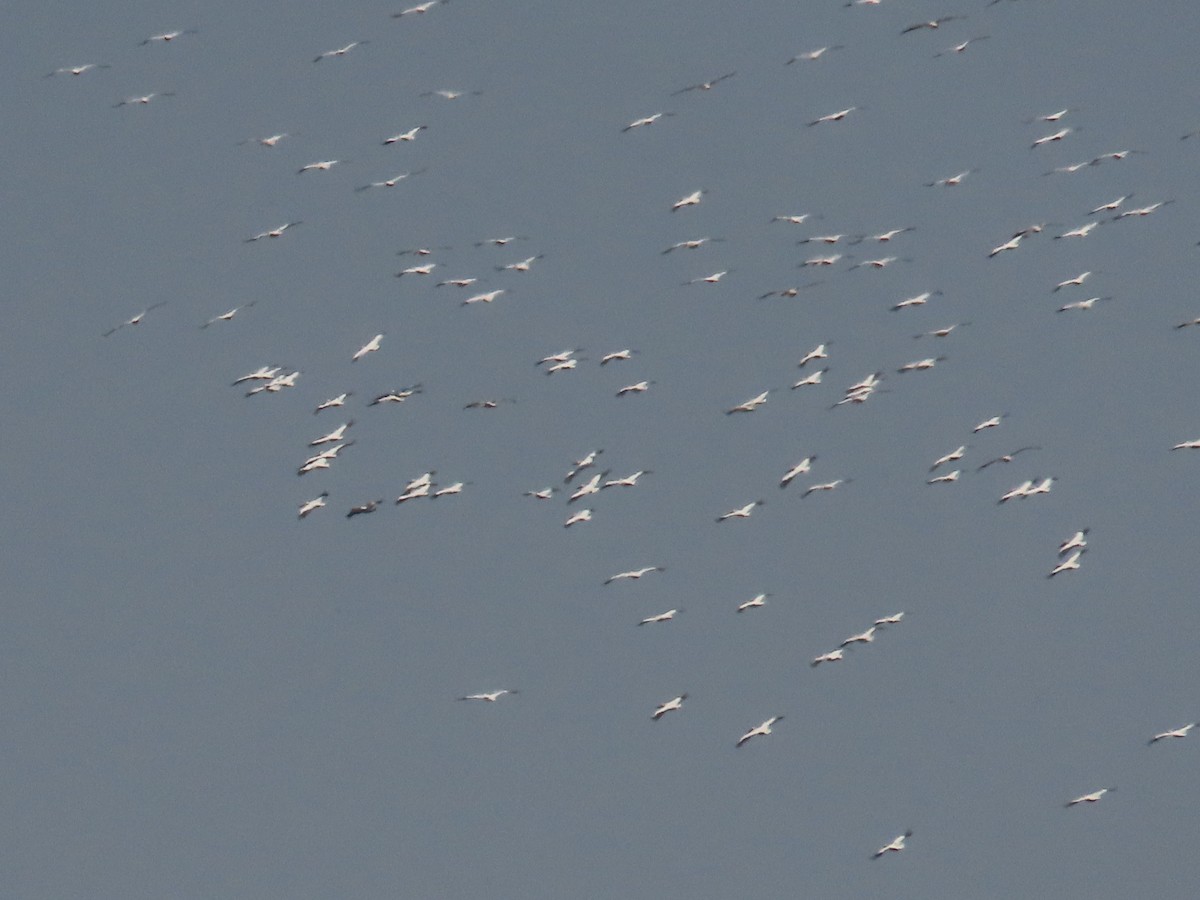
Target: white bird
{"x":417,"y":10}
{"x":542,"y":494}
{"x":450,"y":489}
{"x":863,"y":637}
{"x":832,"y":656}
{"x":814,"y":378}
{"x":425,"y":269}
{"x":450,"y":94}
{"x":565,"y":366}
{"x":759,"y":730}
{"x":314,"y":463}
{"x":1093,"y":797}
{"x":709,"y":279}
{"x":627,"y":480}
{"x":523,"y":265}
{"x":334,"y":436}
{"x":1007,"y":457}
{"x":591,"y":486}
{"x":398,"y":396}
{"x":388,"y":182}
{"x":273,"y":233}
{"x":580,"y":464}
{"x":1077,"y":541}
{"x":993,"y":422}
{"x":639,"y":387}
{"x":659,"y":617}
{"x":633,"y":574}
{"x":753,"y":603}
{"x":1141,"y":210}
{"x":941,"y":332}
{"x":269,"y":141}
{"x":1021,"y":490}
{"x":797,"y":219}
{"x":323,"y":165}
{"x":960,"y":47}
{"x":1080,"y":232}
{"x":1193,"y":444}
{"x":77,"y":70}
{"x":1042,"y":487}
{"x":814,"y":261}
{"x":917,"y":300}
{"x":457,"y":282}
{"x":1052,"y":117}
{"x":921,"y":365}
{"x":801,"y":468}
{"x":227,"y":315}
{"x":1072,"y":282}
{"x":952,"y":456}
{"x":616,"y":356}
{"x":1011,"y":244}
{"x":945,"y":479}
{"x":691,"y":199}
{"x":833,"y":116}
{"x":664,"y":708}
{"x":813,"y":55}
{"x":415,"y":493}
{"x":486,"y":297}
{"x":750,"y":405}
{"x":310,"y":506}
{"x":819,"y":352}
{"x":881,"y":263}
{"x":340,"y":51}
{"x":1081,"y":304}
{"x":1173,"y":733}
{"x":895,"y":846}
{"x":645,"y":120}
{"x":491,"y":696}
{"x":827,"y":486}
{"x":168,"y":36}
{"x":405,"y":136}
{"x":952,"y":181}
{"x":143,"y":99}
{"x":263,"y":373}
{"x":369,"y":347}
{"x":1071,"y":562}
{"x":1111,"y":205}
{"x":742,"y":512}
{"x":339,"y":400}
{"x":893,"y":619}
{"x":560,"y":356}
{"x":932,"y":24}
{"x":705,"y":85}
{"x":136,"y":319}
{"x":1051,"y":138}
{"x":584,"y":515}
{"x":821,"y":239}
{"x":690,"y":244}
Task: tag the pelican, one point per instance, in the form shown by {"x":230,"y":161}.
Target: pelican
{"x":387,"y":182}
{"x":457,"y":282}
{"x":1189,"y":322}
{"x":801,"y":468}
{"x":334,"y":436}
{"x":788,"y":292}
{"x":340,"y":51}
{"x":396,"y":396}
{"x":952,"y":181}
{"x":1093,"y":797}
{"x":323,"y":165}
{"x":263,"y":373}
{"x":664,"y":708}
{"x":813,"y":55}
{"x":560,"y":356}
{"x":415,"y":492}
{"x":832,"y":656}
{"x":932,"y":24}
{"x":637,"y":388}
{"x":616,"y":355}
{"x":269,"y":142}
{"x":945,"y":479}
{"x":1076,"y":541}
{"x":167,"y":36}
{"x":418,"y":10}
{"x":1052,"y":117}
{"x":690,"y":244}
{"x":633,"y":574}
{"x":814,"y":261}
{"x":993,"y":422}
{"x":864,"y":637}
{"x":921,"y":365}
{"x":659,"y":617}
{"x":77,"y":70}
{"x":814,"y":378}
{"x":1021,"y":490}
{"x":451,"y":95}
{"x":136,"y":320}
{"x":523,"y":265}
{"x":833,"y":116}
{"x":704,"y":85}
{"x":1007,"y":457}
{"x":894,"y":847}
{"x":691,"y":199}
{"x":1141,"y":211}
{"x":750,"y":405}
{"x":580,"y":464}
{"x":542,"y":494}
{"x":584,"y":515}
{"x":827,"y":486}
{"x":709,"y":279}
{"x":591,"y":486}
{"x":143,"y":100}
{"x":425,"y":269}
{"x":742,"y":512}
{"x":405,"y":136}
{"x":819,"y":352}
{"x":310,"y":506}
{"x":564,"y":366}
{"x":1082,"y":304}
{"x":491,"y":696}
{"x":798,"y":219}
{"x":1051,"y":138}
{"x":626,"y":481}
{"x":645,"y":120}
{"x":1193,"y":444}
{"x":821,"y":239}
{"x":1173,"y":733}
{"x":450,"y":489}
{"x":500,"y":241}
{"x":273,"y":233}
{"x":881,"y":263}
{"x":893,"y":619}
{"x":339,"y":400}
{"x":313,"y":463}
{"x":227,"y":315}
{"x":1042,"y":487}
{"x":959,"y":48}
{"x":952,"y":456}
{"x":364,"y":508}
{"x":886,"y":236}
{"x":1080,"y":232}
{"x":369,"y":347}
{"x":918,"y":300}
{"x":1068,"y":564}
{"x":1110,"y":206}
{"x":759,"y":730}
{"x":1011,"y":244}
{"x":486,"y":297}
{"x":753,"y":603}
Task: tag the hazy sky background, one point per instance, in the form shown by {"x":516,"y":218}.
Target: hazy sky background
{"x":205,"y":697}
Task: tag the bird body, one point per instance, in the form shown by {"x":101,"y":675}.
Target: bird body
{"x":759,"y":730}
{"x":668,"y":706}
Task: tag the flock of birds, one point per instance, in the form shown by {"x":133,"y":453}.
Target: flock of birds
{"x":495,"y":273}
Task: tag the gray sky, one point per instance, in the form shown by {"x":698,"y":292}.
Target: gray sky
{"x":207,"y":697}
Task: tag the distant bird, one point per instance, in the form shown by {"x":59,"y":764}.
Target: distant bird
{"x":584,"y":515}
{"x":450,"y":94}
{"x":228,"y":314}
{"x":813,"y":261}
{"x":886,"y":236}
{"x":77,"y":70}
{"x":921,"y":365}
{"x":565,"y":366}
{"x":1007,"y":457}
{"x":398,"y":396}
{"x":801,"y":468}
{"x":168,"y":36}
{"x":813,"y":55}
{"x":1051,"y":138}
{"x":941,"y":332}
{"x":491,"y":696}
{"x":500,"y":241}
{"x":1080,"y":232}
{"x":276,"y":384}
{"x":826,"y":486}
{"x":1188,"y":323}
{"x":626,"y":480}
{"x":263,"y":373}
{"x":486,"y":297}
{"x":753,"y":603}
{"x":1077,"y":541}
{"x":523,"y":265}
{"x":616,"y":355}
{"x":1193,"y":444}
{"x":952,"y":181}
{"x":339,"y":400}
{"x":749,"y":405}
{"x":323,"y":165}
{"x":895,"y":846}
{"x":664,"y":708}
{"x":426,"y":269}
{"x":788,"y":292}
{"x":708,"y":279}
{"x":1093,"y":797}
{"x":405,"y":136}
{"x":1067,"y":565}
{"x":633,"y":574}
{"x":893,"y":619}
{"x":1050,"y":117}
{"x":1081,"y":304}
{"x":560,"y":356}
{"x":388,"y":182}
{"x":959,"y":48}
{"x":1021,"y":490}
{"x":415,"y":491}
{"x":1072,"y":282}
{"x":704,"y":85}
{"x":918,"y":300}
{"x":1141,"y":210}
{"x":639,"y":387}
{"x":310,"y":506}
{"x":881,"y":263}
{"x":863,"y":637}
{"x":646,"y":120}
{"x":580,"y":464}
{"x":945,"y":479}
{"x":832,"y":656}
{"x":759,"y":730}
{"x":269,"y":142}
{"x":833,"y":116}
{"x":449,"y":490}
{"x":542,"y":494}
{"x":369,"y":347}
{"x":1173,"y":733}
{"x":950,"y":457}
{"x":659,"y":617}
{"x":691,"y":244}
{"x":364,"y":508}
{"x":1110,"y":206}
{"x":143,"y":100}
{"x":797,"y":219}
{"x":821,"y":351}
{"x":338,"y":434}
{"x":742,"y":512}
{"x":993,"y":422}
{"x":591,"y":486}
{"x":1011,"y":244}
{"x":418,"y":10}
{"x":488,"y":404}
{"x":136,"y":319}
{"x":691,"y":199}
{"x":340,"y":51}
{"x":273,"y":233}
{"x":932,"y":24}
{"x":811,"y":379}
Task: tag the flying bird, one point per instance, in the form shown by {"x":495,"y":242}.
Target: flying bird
{"x":704,"y":85}
{"x":932,"y":24}
{"x":742,"y":512}
{"x":664,"y":708}
{"x":1067,"y":565}
{"x":759,"y":730}
{"x":895,"y":846}
{"x":167,"y":36}
{"x":691,"y":199}
{"x":273,"y":233}
{"x":491,"y":696}
{"x":340,"y":51}
{"x":1173,"y":733}
{"x":369,"y":347}
{"x":659,"y":617}
{"x":645,"y":120}
{"x":308,"y":507}
{"x":832,"y":656}
{"x":405,"y":136}
{"x":77,"y":70}
{"x":418,"y":10}
{"x":142,"y":100}
{"x":136,"y":319}
{"x":801,"y":468}
{"x":228,"y":314}
{"x":634,"y":574}
{"x":1093,"y":797}
{"x":753,"y":603}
